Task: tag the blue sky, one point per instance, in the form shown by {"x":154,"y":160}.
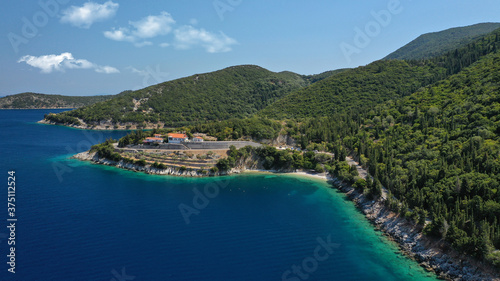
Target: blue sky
{"x":73,"y":47}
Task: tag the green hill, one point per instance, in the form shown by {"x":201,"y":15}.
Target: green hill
{"x":364,"y":87}
{"x":355,"y":88}
{"x":318,"y":77}
{"x":437,"y":43}
{"x":36,"y":101}
{"x":234,"y":92}
{"x":438,"y":152}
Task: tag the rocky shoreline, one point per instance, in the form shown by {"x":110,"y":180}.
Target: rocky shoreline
{"x":432,"y":254}
{"x":243,"y":166}
{"x":105,"y":126}
{"x":93,"y":157}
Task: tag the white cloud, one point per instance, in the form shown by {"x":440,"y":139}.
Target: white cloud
{"x":77,"y":64}
{"x":89,"y":13}
{"x":188,"y":36}
{"x":50,"y":63}
{"x":148,"y":27}
{"x":152,"y":26}
{"x":119,"y":34}
{"x":185,"y":37}
{"x":47,"y":63}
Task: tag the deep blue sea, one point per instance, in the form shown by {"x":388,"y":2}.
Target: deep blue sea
{"x":80,"y":221}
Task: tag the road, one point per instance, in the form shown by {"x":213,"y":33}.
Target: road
{"x":363,"y":173}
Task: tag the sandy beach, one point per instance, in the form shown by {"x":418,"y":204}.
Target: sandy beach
{"x":309,"y":175}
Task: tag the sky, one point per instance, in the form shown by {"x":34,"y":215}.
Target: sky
{"x":102,"y":47}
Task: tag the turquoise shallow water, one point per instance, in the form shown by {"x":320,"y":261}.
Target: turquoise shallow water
{"x":79,"y":221}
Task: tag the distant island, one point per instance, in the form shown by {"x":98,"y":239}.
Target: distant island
{"x":415,"y":141}
{"x":43,"y":101}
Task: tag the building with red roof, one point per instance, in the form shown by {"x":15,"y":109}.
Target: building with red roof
{"x":177,"y":138}
{"x":153,"y":140}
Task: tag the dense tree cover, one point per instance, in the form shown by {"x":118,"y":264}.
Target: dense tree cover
{"x":458,"y":59}
{"x":33,"y":100}
{"x":234,"y":92}
{"x":233,"y":129}
{"x":355,"y":88}
{"x":439,"y":150}
{"x":135,"y":137}
{"x":318,"y":77}
{"x":274,"y":159}
{"x":438,"y":43}
{"x":106,"y":150}
{"x":62,"y":119}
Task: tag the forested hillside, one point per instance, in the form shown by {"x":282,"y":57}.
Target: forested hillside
{"x":34,"y":101}
{"x":438,"y":43}
{"x":367,"y":86}
{"x":438,"y":152}
{"x":234,"y":92}
{"x":355,"y":88}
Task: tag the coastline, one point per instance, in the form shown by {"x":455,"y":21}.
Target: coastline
{"x":104,"y":126}
{"x":432,"y":254}
{"x":315,"y":176}
{"x":94,"y":158}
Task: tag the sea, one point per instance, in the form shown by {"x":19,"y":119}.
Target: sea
{"x":74,"y":220}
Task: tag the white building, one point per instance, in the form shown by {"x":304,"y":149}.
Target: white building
{"x":177,"y":138}
{"x":153,"y":140}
